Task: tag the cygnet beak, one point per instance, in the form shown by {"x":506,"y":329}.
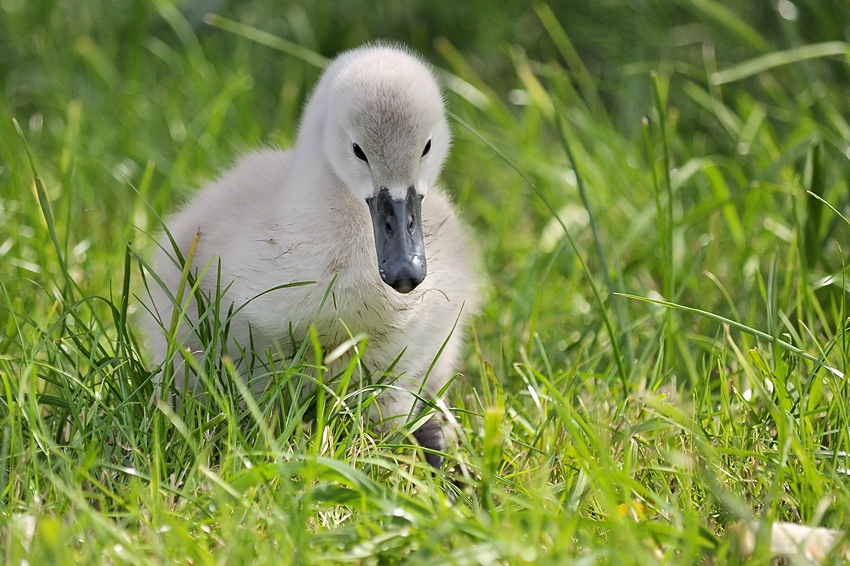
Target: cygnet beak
{"x":398,"y":239}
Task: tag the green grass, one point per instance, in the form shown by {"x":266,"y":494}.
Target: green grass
{"x":657,"y":189}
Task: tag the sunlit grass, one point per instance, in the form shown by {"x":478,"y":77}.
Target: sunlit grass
{"x":662,"y":352}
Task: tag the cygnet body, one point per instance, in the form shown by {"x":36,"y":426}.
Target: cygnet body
{"x":355,"y":208}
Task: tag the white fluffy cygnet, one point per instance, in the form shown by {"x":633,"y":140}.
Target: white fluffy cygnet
{"x":355,"y":208}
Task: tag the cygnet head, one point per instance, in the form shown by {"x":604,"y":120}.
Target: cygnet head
{"x":386,"y":137}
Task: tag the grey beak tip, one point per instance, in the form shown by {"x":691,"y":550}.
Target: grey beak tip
{"x":407,"y":278}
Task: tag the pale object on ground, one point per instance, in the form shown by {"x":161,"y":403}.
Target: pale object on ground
{"x":801,"y":544}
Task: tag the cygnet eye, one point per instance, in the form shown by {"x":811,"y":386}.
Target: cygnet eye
{"x":427,"y":148}
{"x":358,"y":153}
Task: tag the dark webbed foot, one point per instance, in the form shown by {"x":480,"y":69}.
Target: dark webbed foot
{"x":430,"y":435}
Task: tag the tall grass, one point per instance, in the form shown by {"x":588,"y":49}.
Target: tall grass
{"x":660,"y":194}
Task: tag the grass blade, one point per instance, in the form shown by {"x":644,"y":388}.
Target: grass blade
{"x":778,"y":59}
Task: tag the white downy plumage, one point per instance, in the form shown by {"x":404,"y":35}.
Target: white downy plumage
{"x":342,"y":209}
